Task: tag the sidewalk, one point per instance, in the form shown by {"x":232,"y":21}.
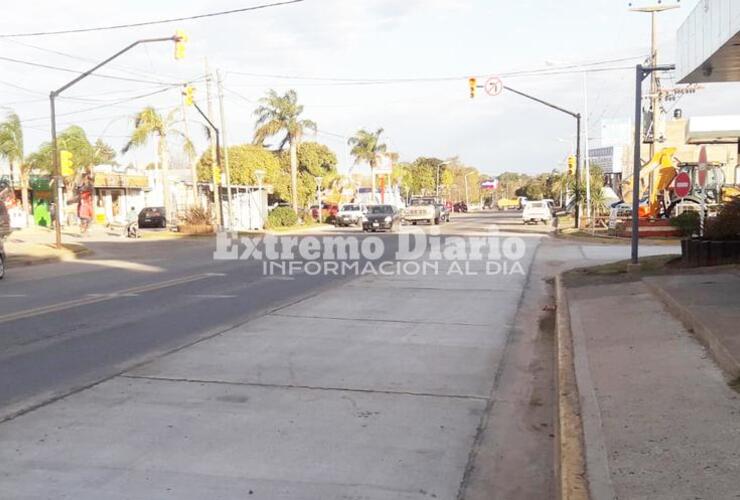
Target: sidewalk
{"x":36,"y":246}
{"x":659,"y":418}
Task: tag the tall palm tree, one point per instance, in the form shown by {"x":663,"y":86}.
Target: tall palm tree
{"x":281,"y":115}
{"x":366,"y":147}
{"x":11,"y":149}
{"x":150,"y":123}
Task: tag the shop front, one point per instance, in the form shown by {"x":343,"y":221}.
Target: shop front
{"x":118,"y":194}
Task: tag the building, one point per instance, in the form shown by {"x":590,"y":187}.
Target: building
{"x":117,"y":191}
{"x":708,"y":46}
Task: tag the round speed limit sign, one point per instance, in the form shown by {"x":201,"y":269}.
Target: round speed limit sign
{"x":494,"y":86}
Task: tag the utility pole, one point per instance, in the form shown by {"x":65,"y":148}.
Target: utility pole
{"x":655,"y":104}
{"x":225,"y":145}
{"x":216,"y":183}
{"x":193,"y":166}
{"x":586,"y":155}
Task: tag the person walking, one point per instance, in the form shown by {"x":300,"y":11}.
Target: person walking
{"x":85,"y":204}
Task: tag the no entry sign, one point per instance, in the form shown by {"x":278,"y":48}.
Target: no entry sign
{"x":682,"y":185}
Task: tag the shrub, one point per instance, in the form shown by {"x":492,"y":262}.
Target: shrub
{"x":687,"y":223}
{"x":197,"y":216}
{"x":726,"y":225}
{"x":282,"y":217}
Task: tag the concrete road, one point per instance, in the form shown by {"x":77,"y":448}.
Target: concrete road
{"x":154,"y":371}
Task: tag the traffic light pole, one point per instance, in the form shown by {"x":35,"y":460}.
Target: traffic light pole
{"x":577,"y":116}
{"x":218,"y":155}
{"x":641,"y":72}
{"x":55,"y":147}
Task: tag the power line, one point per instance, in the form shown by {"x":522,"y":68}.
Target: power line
{"x":68,"y":70}
{"x":115,"y":103}
{"x":576,"y":68}
{"x":150,"y":23}
{"x":116,"y":67}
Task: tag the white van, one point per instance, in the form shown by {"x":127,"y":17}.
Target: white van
{"x":537,"y":211}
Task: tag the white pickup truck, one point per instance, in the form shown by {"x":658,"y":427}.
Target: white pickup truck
{"x":424,"y":209}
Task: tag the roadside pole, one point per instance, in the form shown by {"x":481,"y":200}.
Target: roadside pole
{"x":225,"y":145}
{"x":318,"y":195}
{"x":641,"y":72}
{"x":191,"y":160}
{"x":214,"y":151}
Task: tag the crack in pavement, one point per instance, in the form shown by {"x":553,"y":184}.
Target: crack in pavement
{"x":308,"y":387}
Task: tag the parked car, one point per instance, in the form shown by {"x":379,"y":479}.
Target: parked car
{"x":349,"y":214}
{"x":381,"y":217}
{"x":537,"y":211}
{"x":152,"y":217}
{"x":328,"y":212}
{"x":461,"y":207}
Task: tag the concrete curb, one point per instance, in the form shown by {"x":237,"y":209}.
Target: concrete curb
{"x":570,"y":452}
{"x":724,"y":358}
{"x":65,"y":255}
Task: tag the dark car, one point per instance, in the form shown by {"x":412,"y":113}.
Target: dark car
{"x":461,"y":207}
{"x":153,"y":217}
{"x":381,"y":217}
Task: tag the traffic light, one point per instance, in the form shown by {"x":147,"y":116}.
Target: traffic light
{"x":180,"y":40}
{"x":187,"y":93}
{"x":473,"y":82}
{"x":571,"y":165}
{"x":65,"y":163}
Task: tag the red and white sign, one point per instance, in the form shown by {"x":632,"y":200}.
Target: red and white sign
{"x":494,"y":86}
{"x":701,"y":175}
{"x":682,"y":185}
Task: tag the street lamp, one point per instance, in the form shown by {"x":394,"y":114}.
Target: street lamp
{"x":641,"y":73}
{"x":260,"y":175}
{"x":318,"y":193}
{"x":443,"y":164}
{"x":465,"y":177}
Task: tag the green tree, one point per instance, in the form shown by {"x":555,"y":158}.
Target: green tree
{"x":103,"y":154}
{"x":244,"y":160}
{"x":314,"y":160}
{"x":366,"y":147}
{"x":282,"y":115}
{"x":149,"y":123}
{"x":11,"y":149}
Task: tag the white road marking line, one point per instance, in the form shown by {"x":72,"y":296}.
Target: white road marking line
{"x":214,"y":296}
{"x":36,"y":311}
{"x":12,"y":295}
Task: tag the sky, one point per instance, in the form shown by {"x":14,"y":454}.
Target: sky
{"x":333,"y":53}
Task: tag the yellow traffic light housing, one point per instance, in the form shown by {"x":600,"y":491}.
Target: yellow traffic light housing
{"x":65,"y":162}
{"x":188,"y":96}
{"x":180,"y":40}
{"x":571,"y":165}
{"x":473,"y":82}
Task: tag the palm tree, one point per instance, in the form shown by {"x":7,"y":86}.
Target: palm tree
{"x":281,"y":114}
{"x":366,"y":147}
{"x":11,"y":149}
{"x":149,"y":123}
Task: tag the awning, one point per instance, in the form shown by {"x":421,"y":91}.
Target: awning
{"x":713,"y":129}
{"x":709,"y":43}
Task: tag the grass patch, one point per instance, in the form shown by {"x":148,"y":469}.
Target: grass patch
{"x":619,"y":271}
